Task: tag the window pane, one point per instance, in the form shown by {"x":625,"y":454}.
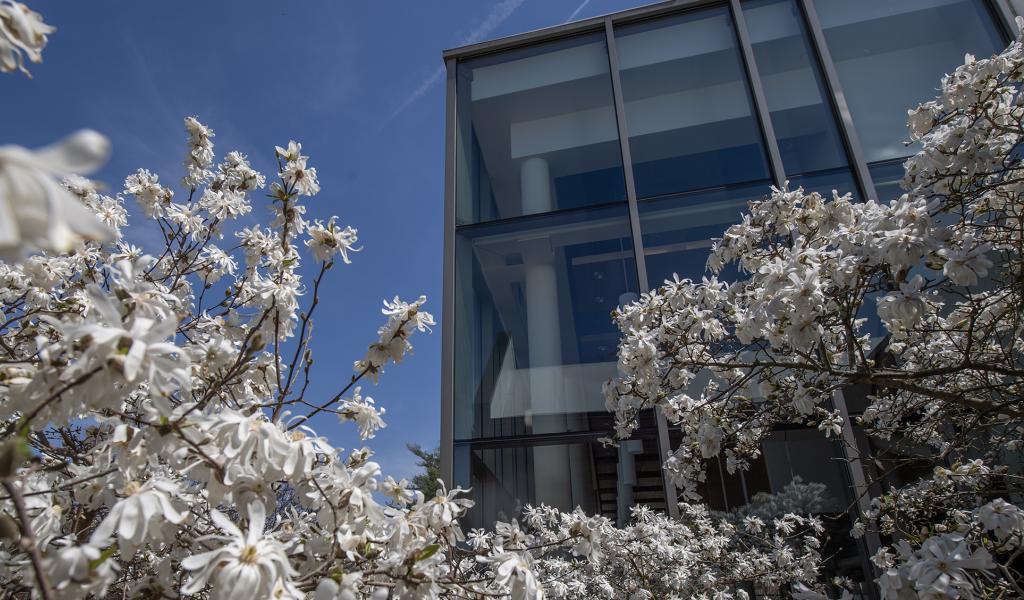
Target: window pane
{"x":887,"y":178}
{"x":677,"y":231}
{"x":890,"y":56}
{"x":505,"y":479}
{"x":534,"y":335}
{"x":840,"y":180}
{"x":688,"y":109}
{"x":803,"y":121}
{"x":537,"y":131}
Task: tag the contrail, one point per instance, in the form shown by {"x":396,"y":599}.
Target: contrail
{"x":576,"y":12}
{"x":501,"y":11}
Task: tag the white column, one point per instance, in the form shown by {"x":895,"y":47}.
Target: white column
{"x":535,"y":181}
{"x":551,"y":464}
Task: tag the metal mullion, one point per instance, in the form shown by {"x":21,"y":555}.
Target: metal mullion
{"x":1005,"y":12}
{"x":538,"y":217}
{"x":855,"y":152}
{"x":448,"y":282}
{"x":543,"y":439}
{"x":627,"y":159}
{"x":589,"y":25}
{"x":664,"y":446}
{"x":760,"y":103}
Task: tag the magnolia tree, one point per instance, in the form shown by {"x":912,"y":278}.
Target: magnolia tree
{"x":939,"y":271}
{"x":155,"y":412}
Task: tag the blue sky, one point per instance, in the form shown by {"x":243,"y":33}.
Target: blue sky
{"x":357,"y":83}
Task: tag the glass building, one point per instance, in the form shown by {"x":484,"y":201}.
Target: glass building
{"x":589,"y":162}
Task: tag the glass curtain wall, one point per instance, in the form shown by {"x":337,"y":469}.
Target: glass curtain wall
{"x":812,"y":150}
{"x":544,"y":254}
{"x":544,"y":246}
{"x":697,"y":149}
{"x":890,"y":56}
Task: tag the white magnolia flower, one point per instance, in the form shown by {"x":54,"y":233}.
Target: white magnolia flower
{"x":133,"y":517}
{"x":200,"y":155}
{"x":82,"y":569}
{"x":22,"y":34}
{"x":963,"y":266}
{"x":361,"y":409}
{"x":138,"y":348}
{"x":247,"y":565}
{"x":36,"y":211}
{"x":905,"y":308}
{"x":151,"y":196}
{"x":300,"y":177}
{"x":1002,"y":518}
{"x":709,"y":439}
{"x":327,"y":240}
{"x":514,"y":571}
{"x":944,"y":563}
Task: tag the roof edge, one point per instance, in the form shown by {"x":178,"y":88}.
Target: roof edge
{"x":566,"y":29}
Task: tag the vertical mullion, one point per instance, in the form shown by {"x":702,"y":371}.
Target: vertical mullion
{"x":855,"y":153}
{"x":1007,"y":16}
{"x":448,"y":283}
{"x":760,"y":103}
{"x":638,"y":242}
{"x":627,"y":159}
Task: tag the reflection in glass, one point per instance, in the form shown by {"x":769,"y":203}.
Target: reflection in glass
{"x":806,"y":455}
{"x":677,"y":231}
{"x":887,"y":178}
{"x":890,"y":56}
{"x":600,"y":480}
{"x":803,"y":121}
{"x":534,"y":336}
{"x":688,"y":110}
{"x":536,"y":131}
{"x":840,"y":180}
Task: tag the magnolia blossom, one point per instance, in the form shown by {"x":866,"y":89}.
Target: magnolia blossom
{"x":36,"y":211}
{"x":1002,"y":518}
{"x":904,"y":309}
{"x":137,"y":347}
{"x":130,"y":519}
{"x":361,"y":410}
{"x":153,"y":197}
{"x":944,"y":564}
{"x":514,"y":570}
{"x":178,"y":405}
{"x":246,"y":565}
{"x":327,"y":240}
{"x":965,"y":266}
{"x":22,"y":34}
{"x":154,"y":418}
{"x":200,"y":155}
{"x":296,"y":174}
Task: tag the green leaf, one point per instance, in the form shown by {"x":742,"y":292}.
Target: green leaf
{"x":103,"y":557}
{"x":427,"y":552}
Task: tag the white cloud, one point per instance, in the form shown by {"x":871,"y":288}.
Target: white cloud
{"x":501,"y":11}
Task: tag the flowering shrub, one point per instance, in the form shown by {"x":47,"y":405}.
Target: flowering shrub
{"x":155,"y":412}
{"x":938,"y":272}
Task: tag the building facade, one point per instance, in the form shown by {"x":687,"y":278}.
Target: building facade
{"x":591,"y":161}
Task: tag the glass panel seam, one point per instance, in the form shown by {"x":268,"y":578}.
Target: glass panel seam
{"x":638,"y":243}
{"x":835,"y":92}
{"x":760,"y":103}
{"x":1005,"y":20}
{"x":448,"y":282}
{"x":539,"y":216}
{"x":627,"y":159}
{"x":546,"y":438}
